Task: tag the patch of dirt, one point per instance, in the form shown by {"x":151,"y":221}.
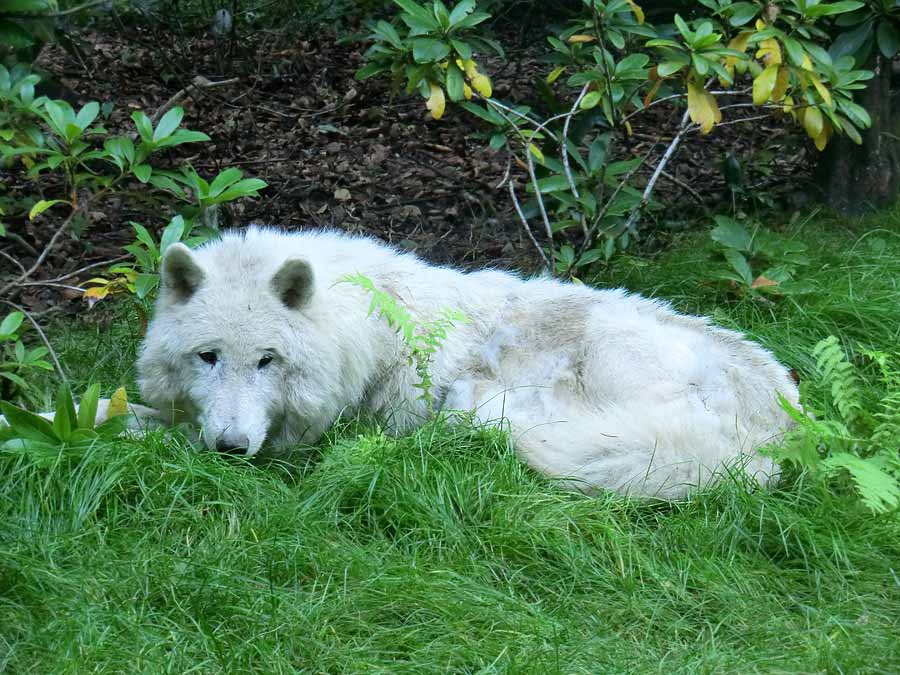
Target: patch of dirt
{"x":340,"y":153}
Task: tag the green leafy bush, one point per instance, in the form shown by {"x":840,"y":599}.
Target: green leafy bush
{"x":856,"y":430}
{"x":608,"y":67}
{"x":758,"y":260}
{"x":17,"y":360}
{"x":71,"y":430}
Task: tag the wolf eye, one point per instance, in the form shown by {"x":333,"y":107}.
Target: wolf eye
{"x":264,"y":361}
{"x":208,"y":357}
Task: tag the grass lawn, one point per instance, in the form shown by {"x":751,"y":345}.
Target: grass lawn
{"x":440,"y":552}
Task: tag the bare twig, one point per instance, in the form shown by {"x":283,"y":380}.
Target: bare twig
{"x":684,"y":127}
{"x":505,"y":174}
{"x":199,"y":82}
{"x":43,"y":256}
{"x":672,"y":97}
{"x":15,"y":261}
{"x":537,"y":194}
{"x":50,"y":284}
{"x":40,"y":332}
{"x":524,"y":220}
{"x":69,"y":275}
{"x":565,"y":140}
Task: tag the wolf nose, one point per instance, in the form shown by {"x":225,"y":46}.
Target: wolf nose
{"x":231,"y":446}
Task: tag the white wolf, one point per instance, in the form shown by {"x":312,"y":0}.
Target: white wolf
{"x":255,"y":339}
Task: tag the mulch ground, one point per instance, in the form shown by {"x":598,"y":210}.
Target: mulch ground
{"x":340,"y":153}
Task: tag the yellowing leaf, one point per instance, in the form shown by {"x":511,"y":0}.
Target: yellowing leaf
{"x":738,"y":43}
{"x":813,"y":122}
{"x":821,"y":88}
{"x":436,"y":102}
{"x":638,"y":12}
{"x":555,"y":73}
{"x":702,"y":107}
{"x":760,"y":24}
{"x":628,"y":129}
{"x":781,"y":84}
{"x":580,"y":39}
{"x":770,"y":52}
{"x":118,"y":404}
{"x":651,"y":94}
{"x":761,"y":282}
{"x":96,"y":293}
{"x":764,"y":84}
{"x":536,"y":151}
{"x":467,"y":91}
{"x":806,"y":64}
{"x":822,"y":139}
{"x":482,"y":85}
{"x":788,"y":107}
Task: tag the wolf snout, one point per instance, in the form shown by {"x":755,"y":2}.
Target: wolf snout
{"x":233,"y":445}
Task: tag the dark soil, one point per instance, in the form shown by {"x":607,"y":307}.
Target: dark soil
{"x":340,"y":153}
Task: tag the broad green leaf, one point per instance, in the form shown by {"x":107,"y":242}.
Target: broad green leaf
{"x":731,"y":234}
{"x":228,"y":177}
{"x":143,"y":235}
{"x":248,"y":187}
{"x":667,"y":68}
{"x":172,"y":234}
{"x":87,"y":115}
{"x":428,"y":50}
{"x":740,"y":265}
{"x":168,"y":124}
{"x":461,"y":11}
{"x":455,"y":82}
{"x":590,"y":100}
{"x":11,"y":324}
{"x":64,"y":419}
{"x":888,"y":39}
{"x":462,"y":48}
{"x":87,"y":408}
{"x":181,"y":136}
{"x":143,"y":124}
{"x":28,"y":425}
{"x":142,"y":172}
{"x":145,"y":284}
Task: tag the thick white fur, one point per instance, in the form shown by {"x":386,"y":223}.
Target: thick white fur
{"x":600,"y":388}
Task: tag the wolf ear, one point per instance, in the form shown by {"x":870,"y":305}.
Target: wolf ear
{"x":293,"y":283}
{"x":180,"y":273}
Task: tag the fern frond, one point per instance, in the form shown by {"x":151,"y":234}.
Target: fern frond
{"x":873,"y":477}
{"x":422,"y":340}
{"x":886,"y":434}
{"x":841,"y":378}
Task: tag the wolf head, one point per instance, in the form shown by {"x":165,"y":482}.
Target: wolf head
{"x":232,"y":336}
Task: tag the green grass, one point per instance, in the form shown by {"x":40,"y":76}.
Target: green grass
{"x":440,"y":552}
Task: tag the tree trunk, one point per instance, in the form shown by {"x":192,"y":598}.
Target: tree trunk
{"x":857,"y":178}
